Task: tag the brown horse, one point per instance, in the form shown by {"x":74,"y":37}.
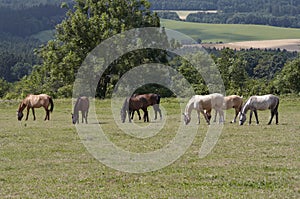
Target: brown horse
{"x":35,"y":101}
{"x":137,"y":102}
{"x":82,"y":104}
{"x":231,"y":101}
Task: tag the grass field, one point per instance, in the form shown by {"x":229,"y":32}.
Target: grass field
{"x":48,"y":160}
{"x":230,"y":32}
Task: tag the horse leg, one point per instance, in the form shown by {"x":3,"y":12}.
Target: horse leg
{"x":250,"y":118}
{"x":216,"y":112}
{"x":138,"y":112}
{"x":155,"y":111}
{"x":33,"y":113}
{"x":256,"y":117}
{"x":276,"y":113}
{"x":198,"y":116}
{"x":132,"y":114}
{"x":129,"y":114}
{"x":236,"y":114}
{"x":159,"y":111}
{"x":205,"y":116}
{"x":146,"y":116}
{"x":82,"y":115}
{"x":27,"y":113}
{"x":47,"y":114}
{"x":86,"y":115}
{"x":272,"y":115}
{"x":221,"y":114}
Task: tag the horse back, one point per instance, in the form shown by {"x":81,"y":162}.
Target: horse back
{"x":82,"y":104}
{"x":37,"y":101}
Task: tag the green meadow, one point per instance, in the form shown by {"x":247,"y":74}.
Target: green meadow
{"x":47,"y":159}
{"x":230,"y":32}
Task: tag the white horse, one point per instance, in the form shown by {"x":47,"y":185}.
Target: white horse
{"x":204,"y":104}
{"x":264,"y":102}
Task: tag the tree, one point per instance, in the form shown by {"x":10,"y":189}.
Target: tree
{"x":86,"y":25}
{"x":288,"y":79}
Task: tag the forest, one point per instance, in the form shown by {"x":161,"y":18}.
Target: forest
{"x":25,"y":62}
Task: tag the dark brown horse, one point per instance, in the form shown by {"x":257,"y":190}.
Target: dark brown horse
{"x":35,"y":101}
{"x":82,"y":104}
{"x":137,"y":102}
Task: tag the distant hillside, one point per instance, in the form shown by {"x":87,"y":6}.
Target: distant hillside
{"x":275,"y":7}
{"x":21,"y":4}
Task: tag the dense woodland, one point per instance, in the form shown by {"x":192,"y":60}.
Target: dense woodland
{"x":25,"y":65}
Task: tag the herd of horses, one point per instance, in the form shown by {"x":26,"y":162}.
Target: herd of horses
{"x":203,"y":104}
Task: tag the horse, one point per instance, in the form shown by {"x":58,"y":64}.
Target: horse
{"x":204,"y":104}
{"x":136,"y":102}
{"x":82,"y":104}
{"x":152,"y":100}
{"x":35,"y":101}
{"x":132,"y":104}
{"x":264,"y":102}
{"x":232,"y":101}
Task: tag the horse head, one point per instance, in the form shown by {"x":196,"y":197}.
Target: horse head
{"x":20,"y":115}
{"x":186,"y":118}
{"x":74,"y":118}
{"x":242,"y":118}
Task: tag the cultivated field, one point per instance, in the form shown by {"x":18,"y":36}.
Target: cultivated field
{"x":48,"y":160}
{"x":231,"y":32}
{"x":287,"y":44}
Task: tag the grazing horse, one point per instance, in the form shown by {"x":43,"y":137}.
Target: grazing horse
{"x":204,"y":104}
{"x":132,"y":104}
{"x":264,"y":102}
{"x":35,"y":101}
{"x":82,"y":104}
{"x":137,"y":102}
{"x":233,"y":101}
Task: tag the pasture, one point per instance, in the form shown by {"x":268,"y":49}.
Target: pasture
{"x":231,"y":32}
{"x":46,"y":159}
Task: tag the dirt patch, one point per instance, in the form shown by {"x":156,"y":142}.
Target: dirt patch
{"x":287,"y":44}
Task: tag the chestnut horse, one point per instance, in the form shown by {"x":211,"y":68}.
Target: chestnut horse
{"x":82,"y":104}
{"x":35,"y":101}
{"x":264,"y":102}
{"x":137,"y":102}
{"x":204,"y":104}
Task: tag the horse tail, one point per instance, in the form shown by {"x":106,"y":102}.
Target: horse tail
{"x":51,"y":104}
{"x":276,"y":107}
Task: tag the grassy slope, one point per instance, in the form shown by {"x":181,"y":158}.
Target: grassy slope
{"x":48,"y":160}
{"x":216,"y":32}
{"x":230,"y":32}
